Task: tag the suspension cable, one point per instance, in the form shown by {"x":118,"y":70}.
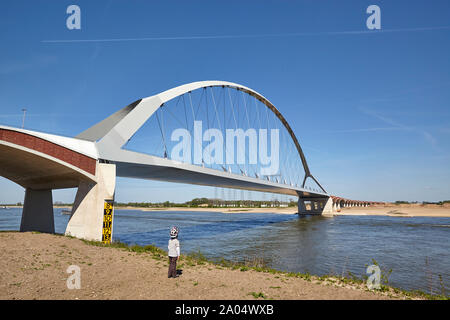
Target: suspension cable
{"x":162,"y":133}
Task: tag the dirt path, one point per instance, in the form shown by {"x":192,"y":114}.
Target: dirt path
{"x":33,"y":266}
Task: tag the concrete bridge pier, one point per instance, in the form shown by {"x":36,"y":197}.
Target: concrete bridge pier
{"x":37,"y":214}
{"x":92,"y":211}
{"x":308,"y":204}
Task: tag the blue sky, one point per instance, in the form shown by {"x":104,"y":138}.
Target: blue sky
{"x":371,"y":108}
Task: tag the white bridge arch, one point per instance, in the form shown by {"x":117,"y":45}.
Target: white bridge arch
{"x":111,"y":134}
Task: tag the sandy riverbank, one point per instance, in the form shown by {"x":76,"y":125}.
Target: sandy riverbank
{"x":402,"y":210}
{"x":39,"y":272}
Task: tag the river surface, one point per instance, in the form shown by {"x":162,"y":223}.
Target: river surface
{"x":416,"y":249}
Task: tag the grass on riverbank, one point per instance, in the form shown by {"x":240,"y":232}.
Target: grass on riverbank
{"x":258,"y":265}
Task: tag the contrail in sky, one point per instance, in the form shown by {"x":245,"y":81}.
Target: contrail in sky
{"x":249,"y":36}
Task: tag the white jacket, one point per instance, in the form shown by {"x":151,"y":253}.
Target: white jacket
{"x":174,"y":248}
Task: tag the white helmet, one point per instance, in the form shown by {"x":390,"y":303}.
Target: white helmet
{"x":174,"y":232}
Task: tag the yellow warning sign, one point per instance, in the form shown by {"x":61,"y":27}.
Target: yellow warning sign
{"x":107,"y":221}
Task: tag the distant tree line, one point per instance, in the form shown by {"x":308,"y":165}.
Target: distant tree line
{"x":423,"y":202}
{"x":216,"y":203}
{"x":210,"y":203}
{"x":197,"y":202}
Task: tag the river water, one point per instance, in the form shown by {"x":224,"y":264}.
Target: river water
{"x":416,"y":249}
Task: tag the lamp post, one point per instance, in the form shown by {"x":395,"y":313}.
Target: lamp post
{"x":23,"y":119}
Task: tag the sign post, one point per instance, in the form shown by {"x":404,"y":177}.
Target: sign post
{"x":107,"y":221}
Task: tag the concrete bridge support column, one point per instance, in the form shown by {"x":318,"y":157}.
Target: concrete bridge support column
{"x":37,"y":214}
{"x":302,"y":206}
{"x":327,"y":207}
{"x":92,"y":212}
{"x":318,"y":206}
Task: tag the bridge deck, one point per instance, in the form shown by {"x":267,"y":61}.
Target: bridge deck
{"x":39,"y":164}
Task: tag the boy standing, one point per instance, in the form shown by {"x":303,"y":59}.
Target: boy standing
{"x":174,"y":252}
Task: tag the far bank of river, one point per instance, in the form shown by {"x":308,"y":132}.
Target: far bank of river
{"x":392,"y":210}
{"x":380,"y":210}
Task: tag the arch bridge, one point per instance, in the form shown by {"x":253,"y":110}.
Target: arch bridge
{"x":212,"y":133}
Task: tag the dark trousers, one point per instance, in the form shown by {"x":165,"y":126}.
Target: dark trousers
{"x":172,"y":267}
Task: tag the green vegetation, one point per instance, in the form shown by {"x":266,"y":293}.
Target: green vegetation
{"x":440,"y":203}
{"x":257,"y":295}
{"x":402,"y":202}
{"x":210,"y":203}
{"x":194,"y":258}
{"x":384,"y":276}
{"x":151,"y":249}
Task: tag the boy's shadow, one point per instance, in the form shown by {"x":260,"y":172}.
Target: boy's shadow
{"x":179,"y":272}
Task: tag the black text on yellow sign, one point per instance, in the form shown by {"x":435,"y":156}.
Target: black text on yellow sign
{"x":107,"y":221}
